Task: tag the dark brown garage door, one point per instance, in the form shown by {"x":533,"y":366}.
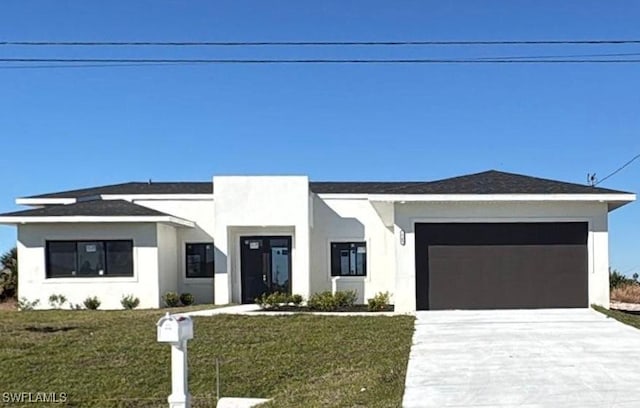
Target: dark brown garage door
{"x":501,"y":265}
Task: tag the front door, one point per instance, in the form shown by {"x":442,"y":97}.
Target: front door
{"x":265,"y":266}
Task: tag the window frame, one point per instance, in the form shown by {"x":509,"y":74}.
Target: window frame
{"x":202,"y":263}
{"x":351,"y":243}
{"x":106,"y":262}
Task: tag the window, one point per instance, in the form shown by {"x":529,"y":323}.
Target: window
{"x":348,"y":259}
{"x":86,"y":259}
{"x":199,"y":259}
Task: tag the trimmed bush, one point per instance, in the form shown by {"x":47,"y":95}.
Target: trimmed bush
{"x":345,"y":298}
{"x":379,"y":302}
{"x":187,"y":299}
{"x":56,"y":301}
{"x":272,"y":300}
{"x":92,"y":303}
{"x":25,"y":304}
{"x":296,"y":300}
{"x":171,"y":299}
{"x":129,"y":302}
{"x":323,"y":301}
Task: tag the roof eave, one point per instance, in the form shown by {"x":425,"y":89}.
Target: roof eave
{"x":618,"y":198}
{"x":168,"y":219}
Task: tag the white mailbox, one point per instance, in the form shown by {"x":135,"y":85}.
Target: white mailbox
{"x":174,"y":329}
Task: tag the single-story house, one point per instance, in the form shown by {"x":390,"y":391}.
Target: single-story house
{"x":481,"y":241}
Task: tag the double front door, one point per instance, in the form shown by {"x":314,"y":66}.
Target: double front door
{"x":265,"y":265}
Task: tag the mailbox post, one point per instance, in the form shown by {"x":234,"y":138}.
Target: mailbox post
{"x":177,"y":330}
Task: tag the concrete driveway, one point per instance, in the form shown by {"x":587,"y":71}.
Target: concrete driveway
{"x":566,"y":358}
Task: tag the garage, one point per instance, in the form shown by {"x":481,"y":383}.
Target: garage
{"x":501,"y":265}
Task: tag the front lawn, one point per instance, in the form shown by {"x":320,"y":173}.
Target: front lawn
{"x":111,"y":358}
{"x":626,"y":318}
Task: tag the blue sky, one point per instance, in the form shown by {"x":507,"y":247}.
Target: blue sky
{"x":76,"y":127}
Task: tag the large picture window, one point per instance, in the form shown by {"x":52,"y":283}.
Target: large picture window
{"x":348,"y":259}
{"x":86,"y":259}
{"x":199,"y":260}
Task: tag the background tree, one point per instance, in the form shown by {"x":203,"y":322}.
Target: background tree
{"x":9,"y":274}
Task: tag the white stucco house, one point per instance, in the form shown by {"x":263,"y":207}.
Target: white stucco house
{"x":480,"y":241}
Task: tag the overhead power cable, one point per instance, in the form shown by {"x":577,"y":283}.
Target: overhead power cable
{"x":316,"y":43}
{"x":619,"y":169}
{"x":319,"y":61}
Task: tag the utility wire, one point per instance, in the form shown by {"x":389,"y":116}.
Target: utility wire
{"x":318,"y":61}
{"x":619,"y":169}
{"x":312,"y":43}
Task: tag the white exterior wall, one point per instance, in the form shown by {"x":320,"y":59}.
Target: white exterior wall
{"x":345,"y":220}
{"x":32,"y":275}
{"x":406,"y":215}
{"x":259,"y":205}
{"x":167,"y":260}
{"x":200,"y":211}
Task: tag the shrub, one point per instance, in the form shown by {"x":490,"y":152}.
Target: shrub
{"x":629,"y":293}
{"x":296,"y":300}
{"x":616,"y":279}
{"x":272,"y":300}
{"x":129,"y":302}
{"x":75,"y":306}
{"x":187,"y":299}
{"x":25,"y":304}
{"x":56,"y":301}
{"x":92,"y":303}
{"x":345,"y":298}
{"x":171,"y":299}
{"x":323,"y":301}
{"x":379,"y":302}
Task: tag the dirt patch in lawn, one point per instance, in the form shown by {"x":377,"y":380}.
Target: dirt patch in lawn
{"x":10,"y":304}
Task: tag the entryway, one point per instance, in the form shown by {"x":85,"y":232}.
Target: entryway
{"x":265,"y":265}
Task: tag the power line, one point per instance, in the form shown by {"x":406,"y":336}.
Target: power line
{"x":314,"y":43}
{"x":618,"y":169}
{"x":318,"y":61}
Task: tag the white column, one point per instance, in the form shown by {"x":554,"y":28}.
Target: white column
{"x":179,"y":397}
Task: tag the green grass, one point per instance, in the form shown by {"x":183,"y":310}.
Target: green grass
{"x":112,"y":359}
{"x":626,"y":318}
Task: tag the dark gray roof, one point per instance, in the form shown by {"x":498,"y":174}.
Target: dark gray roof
{"x":96,"y":208}
{"x":488,"y":182}
{"x":179,"y":187}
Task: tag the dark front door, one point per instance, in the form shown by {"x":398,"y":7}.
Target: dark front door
{"x":265,"y":266}
{"x":501,"y":265}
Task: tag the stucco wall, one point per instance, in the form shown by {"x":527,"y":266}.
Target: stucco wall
{"x":407,"y":214}
{"x":261,"y":205}
{"x":201,"y":212}
{"x":32,"y":275}
{"x":345,"y":220}
{"x":167,"y":260}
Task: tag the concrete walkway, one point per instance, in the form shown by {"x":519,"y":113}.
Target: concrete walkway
{"x":570,"y":358}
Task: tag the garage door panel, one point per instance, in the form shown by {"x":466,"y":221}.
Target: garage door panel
{"x":501,"y":265}
{"x":506,"y":276}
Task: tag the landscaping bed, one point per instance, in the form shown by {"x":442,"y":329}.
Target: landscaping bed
{"x":347,"y":309}
{"x":111,"y":358}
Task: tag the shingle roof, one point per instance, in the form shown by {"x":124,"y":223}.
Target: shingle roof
{"x":180,"y":187}
{"x":488,"y":182}
{"x":95,"y":208}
